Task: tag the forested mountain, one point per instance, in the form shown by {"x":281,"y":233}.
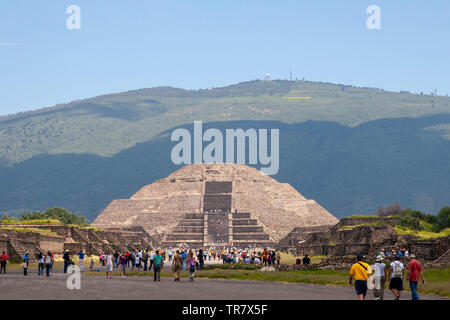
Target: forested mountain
{"x":351,"y":149}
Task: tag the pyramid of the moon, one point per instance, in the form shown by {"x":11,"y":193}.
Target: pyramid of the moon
{"x":214,"y":204}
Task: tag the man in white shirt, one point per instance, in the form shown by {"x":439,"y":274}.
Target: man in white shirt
{"x":396,"y":270}
{"x":109,"y":264}
{"x":151,"y":261}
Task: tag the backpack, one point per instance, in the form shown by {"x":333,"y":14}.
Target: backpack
{"x":397,"y":272}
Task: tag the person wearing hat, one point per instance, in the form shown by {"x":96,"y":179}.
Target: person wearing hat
{"x":415,"y":268}
{"x":361,"y":271}
{"x":66,"y":258}
{"x":379,"y":280}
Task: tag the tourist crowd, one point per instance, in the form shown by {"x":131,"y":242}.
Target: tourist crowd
{"x":365,"y":276}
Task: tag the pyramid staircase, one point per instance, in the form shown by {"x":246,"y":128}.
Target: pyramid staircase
{"x":188,"y":231}
{"x":217,"y":225}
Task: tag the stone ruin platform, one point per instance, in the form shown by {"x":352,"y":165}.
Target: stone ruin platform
{"x":59,"y":238}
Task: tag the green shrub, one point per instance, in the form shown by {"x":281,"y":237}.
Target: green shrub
{"x":443,"y":218}
{"x":61,"y":214}
{"x":411,"y":222}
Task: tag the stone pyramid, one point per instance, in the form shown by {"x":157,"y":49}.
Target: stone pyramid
{"x":215,"y":204}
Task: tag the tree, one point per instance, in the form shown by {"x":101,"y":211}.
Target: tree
{"x":61,"y":214}
{"x":392,"y":210}
{"x":443,"y":218}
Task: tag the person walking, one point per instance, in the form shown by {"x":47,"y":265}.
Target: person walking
{"x":396,"y":271}
{"x":278,"y":257}
{"x":101,"y":259}
{"x":116,"y":259}
{"x":184,"y":258}
{"x":128,"y":259}
{"x":123,"y":263}
{"x":41,"y":264}
{"x":191,"y":263}
{"x":3,"y":261}
{"x":81,"y":260}
{"x":145,"y":259}
{"x":66,"y":258}
{"x":414,"y":269}
{"x":109,"y":264}
{"x":132,"y":257}
{"x":264,"y":256}
{"x":138,"y":262}
{"x":360,"y":271}
{"x":26,"y":259}
{"x":156,"y":266}
{"x":379,"y":280}
{"x":91,"y":265}
{"x":176,"y":266}
{"x":152,"y":257}
{"x":52,"y":261}
{"x":49,"y":260}
{"x":200,"y":258}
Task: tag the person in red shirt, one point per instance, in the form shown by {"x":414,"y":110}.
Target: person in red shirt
{"x":3,"y":260}
{"x":415,"y":268}
{"x":264,"y":256}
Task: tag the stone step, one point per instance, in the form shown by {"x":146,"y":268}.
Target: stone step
{"x":248,"y":229}
{"x":241,"y":215}
{"x":252,"y":236}
{"x":245,"y":222}
{"x":184,"y":237}
{"x":188,"y":229}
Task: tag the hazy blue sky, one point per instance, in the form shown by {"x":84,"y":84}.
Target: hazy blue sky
{"x":125,"y":45}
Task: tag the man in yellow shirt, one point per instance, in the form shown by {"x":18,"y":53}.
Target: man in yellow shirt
{"x":361,"y":271}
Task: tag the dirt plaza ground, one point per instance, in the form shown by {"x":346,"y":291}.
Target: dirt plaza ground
{"x":15,"y":285}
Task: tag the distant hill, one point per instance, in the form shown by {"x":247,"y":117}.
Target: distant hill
{"x":108,"y":124}
{"x":350,"y":149}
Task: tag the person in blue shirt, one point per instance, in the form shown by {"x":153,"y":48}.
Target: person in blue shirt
{"x":184,"y":257}
{"x":81,"y":259}
{"x":26,"y":258}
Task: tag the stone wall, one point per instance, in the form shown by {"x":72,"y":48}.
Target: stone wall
{"x":4,"y":245}
{"x":431,"y":249}
{"x":74,"y":247}
{"x":51,"y":242}
{"x":354,"y":221}
{"x":298,"y":234}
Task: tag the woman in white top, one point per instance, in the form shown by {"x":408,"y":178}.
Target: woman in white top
{"x":41,"y":264}
{"x":379,"y":279}
{"x":109,"y":264}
